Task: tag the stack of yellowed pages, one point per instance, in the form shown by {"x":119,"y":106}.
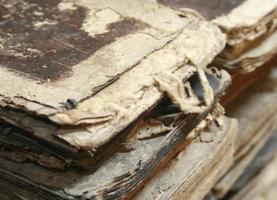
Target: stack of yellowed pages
{"x":122,"y":99}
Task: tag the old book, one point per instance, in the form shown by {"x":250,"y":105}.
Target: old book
{"x":255,"y":110}
{"x":248,"y":79}
{"x":118,"y":177}
{"x":120,"y":88}
{"x":252,"y":136}
{"x":259,"y":179}
{"x":255,"y":107}
{"x":250,"y":46}
{"x":194,"y":171}
{"x":253,"y":58}
{"x":74,"y":74}
{"x":263,"y":186}
{"x":21,"y":147}
{"x":142,"y":153}
{"x":250,"y":27}
{"x":260,"y":174}
{"x":225,"y":183}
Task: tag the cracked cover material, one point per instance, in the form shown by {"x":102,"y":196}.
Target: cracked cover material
{"x":49,"y":56}
{"x":83,"y":66}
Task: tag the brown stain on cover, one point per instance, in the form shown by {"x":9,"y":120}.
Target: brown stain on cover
{"x":209,"y":9}
{"x":49,"y":51}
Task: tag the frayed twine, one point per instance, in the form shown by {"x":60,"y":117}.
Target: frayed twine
{"x":182,"y":94}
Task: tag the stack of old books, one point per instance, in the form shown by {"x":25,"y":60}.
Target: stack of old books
{"x":122,"y":99}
